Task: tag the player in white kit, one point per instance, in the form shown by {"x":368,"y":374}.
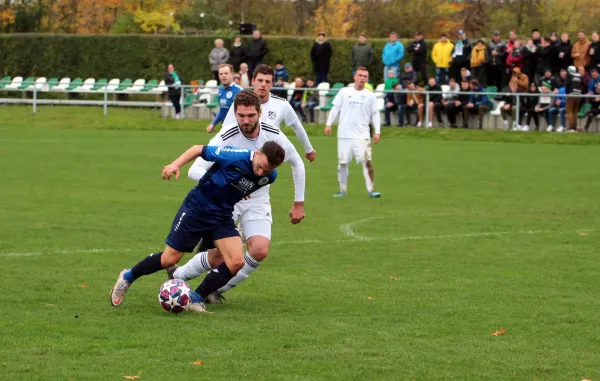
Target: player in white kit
{"x":253,"y":214}
{"x":357,"y":108}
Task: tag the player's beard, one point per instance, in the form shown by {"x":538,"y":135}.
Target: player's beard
{"x":249,"y":128}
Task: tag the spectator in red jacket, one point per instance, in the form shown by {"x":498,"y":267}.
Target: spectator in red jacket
{"x":515,"y":58}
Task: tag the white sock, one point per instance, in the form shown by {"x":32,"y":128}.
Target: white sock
{"x":370,"y":184}
{"x":195,"y":267}
{"x":250,"y":266}
{"x":343,"y":177}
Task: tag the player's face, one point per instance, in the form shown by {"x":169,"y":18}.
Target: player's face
{"x":261,"y":165}
{"x":225,"y":75}
{"x":262,"y":84}
{"x":247,"y":118}
{"x":360,"y":78}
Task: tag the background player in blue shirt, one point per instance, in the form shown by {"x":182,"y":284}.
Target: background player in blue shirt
{"x":206,"y":211}
{"x":227,"y":92}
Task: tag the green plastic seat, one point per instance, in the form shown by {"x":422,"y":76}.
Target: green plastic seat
{"x":214,"y":102}
{"x":27,"y":82}
{"x":52,"y":82}
{"x":584,"y":109}
{"x":5,"y":81}
{"x":75,"y":84}
{"x":125,"y":84}
{"x":491,"y":89}
{"x":150,"y":85}
{"x":189,"y":100}
{"x":329,"y":105}
{"x":334,"y":90}
{"x":100,"y":84}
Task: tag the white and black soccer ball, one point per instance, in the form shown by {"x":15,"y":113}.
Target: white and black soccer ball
{"x":174,"y":295}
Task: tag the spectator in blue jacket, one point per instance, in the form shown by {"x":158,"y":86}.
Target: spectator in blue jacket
{"x":227,"y":92}
{"x":478,"y":103}
{"x":281,"y":71}
{"x":593,"y":81}
{"x":393,"y":53}
{"x":559,"y":106}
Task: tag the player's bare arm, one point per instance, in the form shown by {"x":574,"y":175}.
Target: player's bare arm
{"x":186,"y":157}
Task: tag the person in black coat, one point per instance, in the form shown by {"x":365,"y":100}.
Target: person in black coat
{"x":237,"y":54}
{"x":320,"y":56}
{"x":594,"y":52}
{"x":530,"y":59}
{"x":173,"y":81}
{"x":544,"y":60}
{"x":418,"y":48}
{"x":461,"y":54}
{"x":563,"y":53}
{"x":257,"y":50}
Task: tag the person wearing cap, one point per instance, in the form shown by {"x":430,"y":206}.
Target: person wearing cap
{"x":362,"y":53}
{"x":418,"y":48}
{"x":479,"y":59}
{"x":574,"y":86}
{"x":408,"y":75}
{"x":442,"y":57}
{"x":320,"y":56}
{"x":496,"y":61}
{"x":393,"y":53}
{"x":461,"y":54}
{"x":544,"y":58}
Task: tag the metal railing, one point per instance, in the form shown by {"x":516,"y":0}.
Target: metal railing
{"x":212,"y":90}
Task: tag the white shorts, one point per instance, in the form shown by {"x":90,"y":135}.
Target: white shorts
{"x":359,"y":148}
{"x":255,"y":218}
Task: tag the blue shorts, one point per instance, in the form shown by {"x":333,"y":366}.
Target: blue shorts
{"x":190,"y":226}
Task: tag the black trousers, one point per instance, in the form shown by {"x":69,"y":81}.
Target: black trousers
{"x":175,"y":99}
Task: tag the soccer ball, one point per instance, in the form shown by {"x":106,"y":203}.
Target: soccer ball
{"x":174,"y":295}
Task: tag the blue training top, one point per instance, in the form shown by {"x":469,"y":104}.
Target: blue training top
{"x":227,"y":182}
{"x":226,"y":97}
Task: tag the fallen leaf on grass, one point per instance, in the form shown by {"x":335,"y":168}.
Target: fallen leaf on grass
{"x":500,"y":332}
{"x":583,"y":234}
{"x":370,"y":298}
{"x":83,"y":285}
{"x":411,"y":247}
{"x":494,"y":185}
{"x":49,"y":305}
{"x":393,"y":278}
{"x":133,"y":377}
{"x":198,"y":362}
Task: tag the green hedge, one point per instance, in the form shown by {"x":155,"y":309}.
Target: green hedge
{"x":145,"y":56}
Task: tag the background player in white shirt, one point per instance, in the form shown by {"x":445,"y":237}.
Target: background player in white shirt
{"x":357,"y":108}
{"x":254,"y":214}
{"x":275,"y":110}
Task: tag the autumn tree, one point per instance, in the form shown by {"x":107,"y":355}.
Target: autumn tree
{"x":336,"y":17}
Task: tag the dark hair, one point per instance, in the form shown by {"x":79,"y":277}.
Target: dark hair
{"x":547,"y":39}
{"x":279,"y":62}
{"x":535,"y":30}
{"x":265,"y":70}
{"x":246,"y":98}
{"x":451,"y":79}
{"x":593,"y":70}
{"x":226,"y":65}
{"x":274,"y":152}
{"x":474,"y":82}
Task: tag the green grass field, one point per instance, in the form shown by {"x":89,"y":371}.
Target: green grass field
{"x":476,"y":230}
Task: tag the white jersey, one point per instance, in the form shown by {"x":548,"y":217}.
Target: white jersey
{"x":274,"y":112}
{"x":233,"y":136}
{"x":357,"y":108}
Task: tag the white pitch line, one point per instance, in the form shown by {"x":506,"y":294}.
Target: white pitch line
{"x":348,"y":229}
{"x":347,"y":240}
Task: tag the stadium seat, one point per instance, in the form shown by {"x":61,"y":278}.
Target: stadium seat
{"x":212,"y":85}
{"x":291,"y":89}
{"x":75,"y":84}
{"x":112,"y":85}
{"x":4,"y":82}
{"x":331,"y":95}
{"x":150,"y":85}
{"x":189,"y":100}
{"x":214,"y":101}
{"x":160,"y":89}
{"x":584,"y":109}
{"x":88,"y":85}
{"x":445,"y":88}
{"x":124,"y":85}
{"x":137,"y":86}
{"x":100,"y":84}
{"x":491,"y":89}
{"x":323,"y":89}
{"x":29,"y":81}
{"x":15,"y":84}
{"x":62,"y":85}
{"x":52,"y":83}
{"x":498,"y":110}
{"x":38,"y":85}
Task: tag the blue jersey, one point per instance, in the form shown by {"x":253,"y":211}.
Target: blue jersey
{"x":226,"y":97}
{"x":227,"y":182}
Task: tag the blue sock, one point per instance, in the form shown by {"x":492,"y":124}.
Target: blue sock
{"x":196,"y":298}
{"x":128,"y":276}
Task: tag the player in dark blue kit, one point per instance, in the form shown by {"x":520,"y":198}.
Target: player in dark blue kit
{"x":227,"y":92}
{"x":207,"y":209}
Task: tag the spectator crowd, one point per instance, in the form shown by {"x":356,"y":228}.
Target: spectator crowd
{"x":528,"y":66}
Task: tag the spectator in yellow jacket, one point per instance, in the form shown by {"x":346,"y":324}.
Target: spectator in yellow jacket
{"x":442,"y":57}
